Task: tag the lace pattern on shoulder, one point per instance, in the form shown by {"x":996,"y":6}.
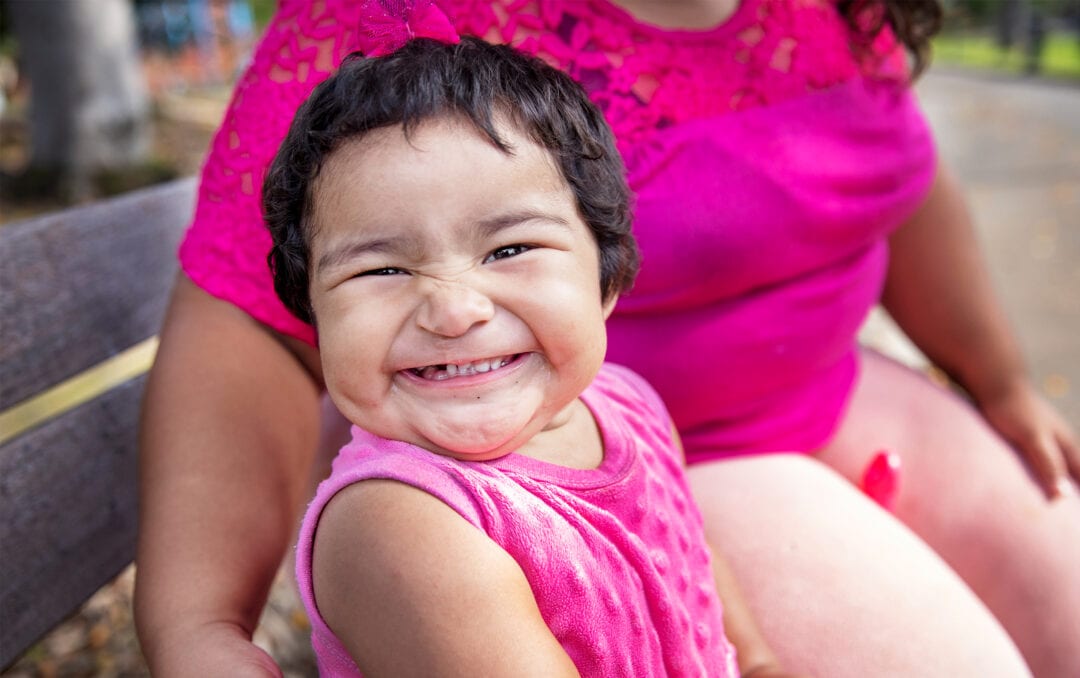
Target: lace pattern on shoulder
{"x":647,"y":78}
{"x":641,"y":76}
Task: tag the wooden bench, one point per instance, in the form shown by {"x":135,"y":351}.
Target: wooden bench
{"x":82,"y":295}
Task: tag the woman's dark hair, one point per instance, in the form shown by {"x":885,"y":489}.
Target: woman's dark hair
{"x":473,"y":81}
{"x":913,"y":22}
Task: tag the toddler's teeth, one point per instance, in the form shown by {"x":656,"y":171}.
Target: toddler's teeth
{"x":450,"y":370}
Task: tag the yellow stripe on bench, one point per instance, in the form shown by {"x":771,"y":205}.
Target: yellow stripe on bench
{"x":83,"y":387}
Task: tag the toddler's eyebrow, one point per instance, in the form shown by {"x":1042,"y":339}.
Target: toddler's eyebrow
{"x":353,"y":249}
{"x":491,"y":226}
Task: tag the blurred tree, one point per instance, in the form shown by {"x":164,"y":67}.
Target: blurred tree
{"x":88,"y":109}
{"x":1036,"y":40}
{"x":979,"y":11}
{"x":1009,"y":18}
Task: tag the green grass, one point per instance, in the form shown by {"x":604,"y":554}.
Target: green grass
{"x":1060,"y":56}
{"x":261,"y":11}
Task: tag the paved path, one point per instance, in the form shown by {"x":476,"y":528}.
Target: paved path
{"x":1016,"y":146}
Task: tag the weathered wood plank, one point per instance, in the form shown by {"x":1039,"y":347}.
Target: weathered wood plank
{"x":67,"y":514}
{"x":80,"y":285}
{"x":76,"y":288}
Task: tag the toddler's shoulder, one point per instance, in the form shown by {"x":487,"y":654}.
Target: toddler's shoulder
{"x":626,"y":386}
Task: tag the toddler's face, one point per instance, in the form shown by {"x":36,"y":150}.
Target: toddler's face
{"x":456,"y":289}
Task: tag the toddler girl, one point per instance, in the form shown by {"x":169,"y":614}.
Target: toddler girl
{"x":454,"y":220}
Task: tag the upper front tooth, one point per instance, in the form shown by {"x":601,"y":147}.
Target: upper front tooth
{"x":480,"y":366}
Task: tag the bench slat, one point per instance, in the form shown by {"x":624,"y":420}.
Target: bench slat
{"x":67,"y":514}
{"x":78,"y":286}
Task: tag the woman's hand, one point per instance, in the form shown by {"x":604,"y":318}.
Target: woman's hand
{"x":215,"y":650}
{"x":1039,"y":433}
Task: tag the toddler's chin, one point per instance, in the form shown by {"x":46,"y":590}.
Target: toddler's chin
{"x":473,"y":447}
{"x":482,"y":429}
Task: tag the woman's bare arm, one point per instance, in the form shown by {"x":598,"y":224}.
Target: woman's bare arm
{"x":939,"y":291}
{"x":229,"y":429}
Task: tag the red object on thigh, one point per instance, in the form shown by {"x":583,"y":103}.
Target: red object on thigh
{"x":881,"y":479}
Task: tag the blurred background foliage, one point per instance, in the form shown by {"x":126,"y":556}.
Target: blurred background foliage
{"x":1020,"y":37}
{"x":133,"y":91}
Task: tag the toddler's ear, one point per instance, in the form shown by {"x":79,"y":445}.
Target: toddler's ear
{"x":609,"y":305}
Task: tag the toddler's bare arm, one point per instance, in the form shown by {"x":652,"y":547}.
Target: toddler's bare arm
{"x":412,"y":589}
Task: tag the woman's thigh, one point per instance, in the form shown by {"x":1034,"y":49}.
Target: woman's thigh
{"x":839,"y":586}
{"x":968,"y":495}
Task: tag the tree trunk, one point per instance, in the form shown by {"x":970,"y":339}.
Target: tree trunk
{"x":89,"y":109}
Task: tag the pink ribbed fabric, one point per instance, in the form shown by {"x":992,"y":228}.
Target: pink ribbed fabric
{"x":769,"y":165}
{"x":615,"y":556}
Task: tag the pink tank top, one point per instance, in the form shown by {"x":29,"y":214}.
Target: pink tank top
{"x":769,"y":164}
{"x":615,"y":556}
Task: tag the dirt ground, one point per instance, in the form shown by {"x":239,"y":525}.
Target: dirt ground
{"x":99,"y":640}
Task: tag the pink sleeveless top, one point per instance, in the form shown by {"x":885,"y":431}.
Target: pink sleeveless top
{"x":769,"y":165}
{"x":615,"y":556}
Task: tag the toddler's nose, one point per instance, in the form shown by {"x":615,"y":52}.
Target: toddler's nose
{"x":450,"y":309}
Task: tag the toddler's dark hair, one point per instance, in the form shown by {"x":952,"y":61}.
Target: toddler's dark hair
{"x":473,"y":81}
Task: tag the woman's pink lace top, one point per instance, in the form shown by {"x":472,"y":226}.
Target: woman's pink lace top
{"x":768,"y":161}
{"x":615,"y":556}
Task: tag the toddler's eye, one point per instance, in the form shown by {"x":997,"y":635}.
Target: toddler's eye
{"x":507,"y":252}
{"x":386,"y":270}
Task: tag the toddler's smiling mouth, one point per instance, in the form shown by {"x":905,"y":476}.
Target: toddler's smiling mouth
{"x":453,"y":371}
